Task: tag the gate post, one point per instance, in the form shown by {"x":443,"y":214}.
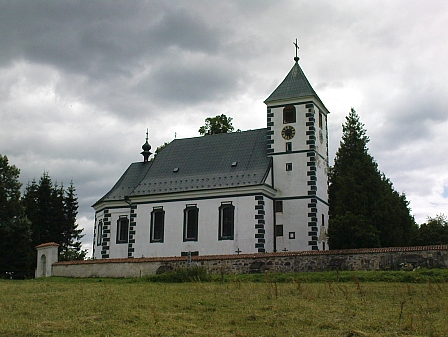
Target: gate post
{"x":47,"y":254}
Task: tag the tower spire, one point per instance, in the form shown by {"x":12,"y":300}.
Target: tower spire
{"x":146,"y":147}
{"x":297,"y":49}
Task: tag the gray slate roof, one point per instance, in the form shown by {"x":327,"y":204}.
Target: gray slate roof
{"x":202,"y":163}
{"x":295,"y":85}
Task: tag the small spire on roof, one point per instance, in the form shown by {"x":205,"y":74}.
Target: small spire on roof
{"x":297,"y":48}
{"x":146,"y":147}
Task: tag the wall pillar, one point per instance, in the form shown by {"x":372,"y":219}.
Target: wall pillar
{"x":47,"y":254}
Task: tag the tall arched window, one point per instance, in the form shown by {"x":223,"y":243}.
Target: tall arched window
{"x":191,"y":217}
{"x":122,"y":229}
{"x":226,"y":221}
{"x":43,"y":261}
{"x":99,"y":234}
{"x":157,"y":224}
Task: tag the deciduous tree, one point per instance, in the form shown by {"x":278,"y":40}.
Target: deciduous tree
{"x":159,"y":149}
{"x":433,"y":232}
{"x":217,"y":124}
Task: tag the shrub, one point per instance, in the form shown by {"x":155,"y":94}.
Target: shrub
{"x":180,"y":275}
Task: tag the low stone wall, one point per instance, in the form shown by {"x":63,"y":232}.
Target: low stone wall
{"x":308,"y":261}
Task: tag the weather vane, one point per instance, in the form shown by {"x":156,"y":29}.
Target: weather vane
{"x":297,"y":48}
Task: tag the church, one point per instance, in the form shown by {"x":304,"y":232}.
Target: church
{"x":255,"y":191}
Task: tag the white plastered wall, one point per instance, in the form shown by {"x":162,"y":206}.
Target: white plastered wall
{"x":47,"y":254}
{"x":294,"y":184}
{"x":244,"y":239}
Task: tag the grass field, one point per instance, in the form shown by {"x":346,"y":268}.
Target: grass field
{"x":307,"y":304}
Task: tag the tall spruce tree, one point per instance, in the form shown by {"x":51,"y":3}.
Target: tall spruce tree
{"x":71,"y":234}
{"x":365,"y":210}
{"x":52,"y":211}
{"x":15,"y":232}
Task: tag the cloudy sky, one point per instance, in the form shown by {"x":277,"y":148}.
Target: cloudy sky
{"x":81,"y":81}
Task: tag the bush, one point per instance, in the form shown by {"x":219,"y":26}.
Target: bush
{"x":180,"y":275}
{"x":200,"y":274}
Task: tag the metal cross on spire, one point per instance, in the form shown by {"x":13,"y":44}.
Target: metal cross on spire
{"x":297,"y":48}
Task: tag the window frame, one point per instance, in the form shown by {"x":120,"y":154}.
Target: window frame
{"x":288,"y":166}
{"x":288,"y":147}
{"x":226,"y":206}
{"x":289,"y":114}
{"x":279,"y":230}
{"x":154,"y":214}
{"x":187,"y":213}
{"x":122,"y":221}
{"x":278,"y":206}
{"x":99,"y":233}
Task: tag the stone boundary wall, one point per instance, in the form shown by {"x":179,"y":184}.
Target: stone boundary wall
{"x":308,"y":261}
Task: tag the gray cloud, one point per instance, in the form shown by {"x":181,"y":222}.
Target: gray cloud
{"x":80,"y":81}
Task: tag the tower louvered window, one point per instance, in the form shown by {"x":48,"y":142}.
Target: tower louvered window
{"x":289,"y":114}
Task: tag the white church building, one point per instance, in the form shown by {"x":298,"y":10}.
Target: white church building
{"x":253,"y":191}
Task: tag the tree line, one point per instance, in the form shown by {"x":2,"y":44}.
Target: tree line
{"x":45,"y":213}
{"x":365,"y":209}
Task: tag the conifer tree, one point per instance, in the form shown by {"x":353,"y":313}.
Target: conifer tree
{"x":71,"y":234}
{"x":52,"y":212}
{"x":365,"y":210}
{"x":15,"y":232}
{"x":39,"y":209}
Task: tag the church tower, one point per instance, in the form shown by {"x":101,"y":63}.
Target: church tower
{"x":297,"y":141}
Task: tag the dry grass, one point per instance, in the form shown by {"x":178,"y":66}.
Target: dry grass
{"x":107,"y":307}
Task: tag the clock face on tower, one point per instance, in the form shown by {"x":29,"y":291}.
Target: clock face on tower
{"x":288,"y":132}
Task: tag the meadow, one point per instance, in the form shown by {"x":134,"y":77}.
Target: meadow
{"x":305,"y":304}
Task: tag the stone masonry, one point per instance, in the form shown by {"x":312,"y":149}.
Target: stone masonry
{"x":285,"y":262}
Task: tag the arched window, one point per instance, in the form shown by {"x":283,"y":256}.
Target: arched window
{"x":122,"y":229}
{"x":99,"y":234}
{"x":289,"y":114}
{"x":43,"y":261}
{"x":157,"y":224}
{"x":191,"y":215}
{"x":226,"y":221}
